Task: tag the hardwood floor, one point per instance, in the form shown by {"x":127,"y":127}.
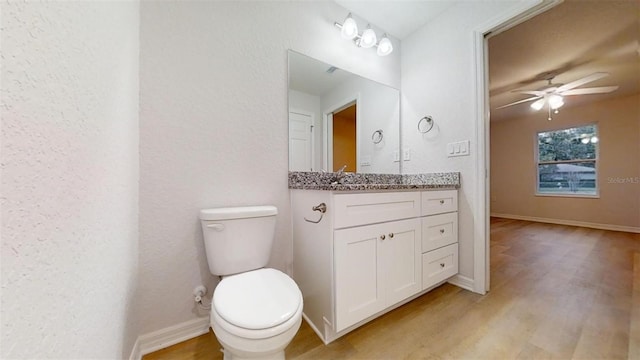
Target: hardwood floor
{"x":557,"y":292}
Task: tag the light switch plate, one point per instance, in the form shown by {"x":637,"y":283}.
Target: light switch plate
{"x":459,"y":148}
{"x":396,"y":156}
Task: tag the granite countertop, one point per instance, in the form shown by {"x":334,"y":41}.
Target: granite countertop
{"x":368,"y":182}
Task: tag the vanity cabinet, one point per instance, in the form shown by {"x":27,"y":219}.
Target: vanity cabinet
{"x":439,"y":236}
{"x":370,"y":253}
{"x":376,"y":266}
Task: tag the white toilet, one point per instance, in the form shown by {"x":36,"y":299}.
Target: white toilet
{"x":255,"y":311}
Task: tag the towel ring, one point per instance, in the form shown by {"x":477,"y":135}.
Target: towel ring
{"x":377,"y":136}
{"x":429,"y":121}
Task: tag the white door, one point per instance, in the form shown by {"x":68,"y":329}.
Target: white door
{"x":300,"y":142}
{"x":402,"y":260}
{"x":358,"y":276}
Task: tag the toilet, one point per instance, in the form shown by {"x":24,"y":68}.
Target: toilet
{"x":255,"y":311}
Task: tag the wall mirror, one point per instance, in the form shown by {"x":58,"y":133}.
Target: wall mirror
{"x":340,"y":120}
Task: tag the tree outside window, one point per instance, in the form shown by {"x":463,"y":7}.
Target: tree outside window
{"x":567,"y":161}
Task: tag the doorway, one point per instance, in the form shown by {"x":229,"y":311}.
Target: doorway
{"x":344,"y":139}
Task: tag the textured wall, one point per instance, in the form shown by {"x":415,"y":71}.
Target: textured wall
{"x":513,"y":167}
{"x":438,"y":79}
{"x":213,"y":128}
{"x":69,"y":178}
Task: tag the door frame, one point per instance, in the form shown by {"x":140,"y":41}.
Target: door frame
{"x":518,"y":14}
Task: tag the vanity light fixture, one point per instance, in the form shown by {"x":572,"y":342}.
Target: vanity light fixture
{"x":368,"y":39}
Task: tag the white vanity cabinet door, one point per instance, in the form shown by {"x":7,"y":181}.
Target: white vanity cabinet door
{"x":358,"y":276}
{"x":375,"y":267}
{"x":403,"y":257}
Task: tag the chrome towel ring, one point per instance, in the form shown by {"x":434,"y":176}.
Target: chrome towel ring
{"x":377,"y":136}
{"x":425,"y":124}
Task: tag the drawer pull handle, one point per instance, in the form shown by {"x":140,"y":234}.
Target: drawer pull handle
{"x":441,"y":231}
{"x":391,"y":235}
{"x":441,"y":264}
{"x":382,"y":237}
{"x":441,"y":202}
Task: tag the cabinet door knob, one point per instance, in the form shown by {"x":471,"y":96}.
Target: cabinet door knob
{"x":441,"y":264}
{"x":441,"y":231}
{"x":391,"y":235}
{"x":382,"y":237}
{"x":441,"y":202}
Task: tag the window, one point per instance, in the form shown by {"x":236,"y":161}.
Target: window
{"x":567,"y":161}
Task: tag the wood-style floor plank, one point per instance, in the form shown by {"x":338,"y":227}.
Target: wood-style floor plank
{"x":558,"y":292}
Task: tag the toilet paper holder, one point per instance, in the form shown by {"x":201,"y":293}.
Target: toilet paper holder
{"x":322,"y":208}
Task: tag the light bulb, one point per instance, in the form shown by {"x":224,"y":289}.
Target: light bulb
{"x":555,"y":101}
{"x":584,"y":140}
{"x":349,"y":28}
{"x":385,"y":47}
{"x":538,"y":104}
{"x":594,"y":139}
{"x":368,"y":38}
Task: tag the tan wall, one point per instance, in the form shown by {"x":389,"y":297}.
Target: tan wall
{"x":513,"y":167}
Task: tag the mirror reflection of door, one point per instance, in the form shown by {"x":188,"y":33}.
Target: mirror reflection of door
{"x":344,"y":139}
{"x":300,"y":142}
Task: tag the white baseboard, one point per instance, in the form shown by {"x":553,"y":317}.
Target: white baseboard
{"x":463,"y":282}
{"x":631,"y":229}
{"x":166,"y":337}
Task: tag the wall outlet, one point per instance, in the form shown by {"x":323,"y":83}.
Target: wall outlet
{"x":406,"y":154}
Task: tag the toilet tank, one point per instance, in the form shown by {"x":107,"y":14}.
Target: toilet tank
{"x":238,"y":239}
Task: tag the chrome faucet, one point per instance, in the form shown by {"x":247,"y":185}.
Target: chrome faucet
{"x":339,"y":175}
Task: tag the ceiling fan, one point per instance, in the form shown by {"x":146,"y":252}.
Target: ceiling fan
{"x":553,"y":94}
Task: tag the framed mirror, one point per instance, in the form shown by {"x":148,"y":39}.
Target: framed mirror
{"x":339,"y":120}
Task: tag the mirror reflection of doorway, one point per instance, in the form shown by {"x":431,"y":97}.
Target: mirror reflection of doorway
{"x":344,"y":139}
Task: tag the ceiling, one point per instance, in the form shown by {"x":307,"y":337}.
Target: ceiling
{"x":572,"y":40}
{"x":314,"y":77}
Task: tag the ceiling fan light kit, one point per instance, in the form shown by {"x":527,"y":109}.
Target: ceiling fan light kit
{"x":553,"y":95}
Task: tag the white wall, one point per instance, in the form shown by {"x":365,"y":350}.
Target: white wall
{"x":438,"y":79}
{"x":213,"y":127}
{"x":378,"y":108}
{"x":69,"y":178}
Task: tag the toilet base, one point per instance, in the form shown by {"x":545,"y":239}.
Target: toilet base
{"x":240,"y":348}
{"x":276,"y":356}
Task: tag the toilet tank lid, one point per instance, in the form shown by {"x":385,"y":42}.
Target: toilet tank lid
{"x":241,"y":212}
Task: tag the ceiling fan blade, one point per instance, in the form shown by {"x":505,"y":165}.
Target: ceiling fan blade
{"x":593,"y":90}
{"x":519,"y":102}
{"x":584,"y":80}
{"x":530,"y":92}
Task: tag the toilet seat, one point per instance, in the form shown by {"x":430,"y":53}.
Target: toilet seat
{"x":258,"y":300}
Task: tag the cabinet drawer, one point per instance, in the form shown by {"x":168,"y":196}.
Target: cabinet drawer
{"x":438,"y":202}
{"x":439,"y":230}
{"x":439,"y":265}
{"x":361,"y":209}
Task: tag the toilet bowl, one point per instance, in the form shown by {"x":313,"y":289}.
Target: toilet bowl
{"x":256,"y":314}
{"x":255,"y":311}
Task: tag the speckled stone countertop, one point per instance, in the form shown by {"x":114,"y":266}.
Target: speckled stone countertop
{"x":368,"y":182}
